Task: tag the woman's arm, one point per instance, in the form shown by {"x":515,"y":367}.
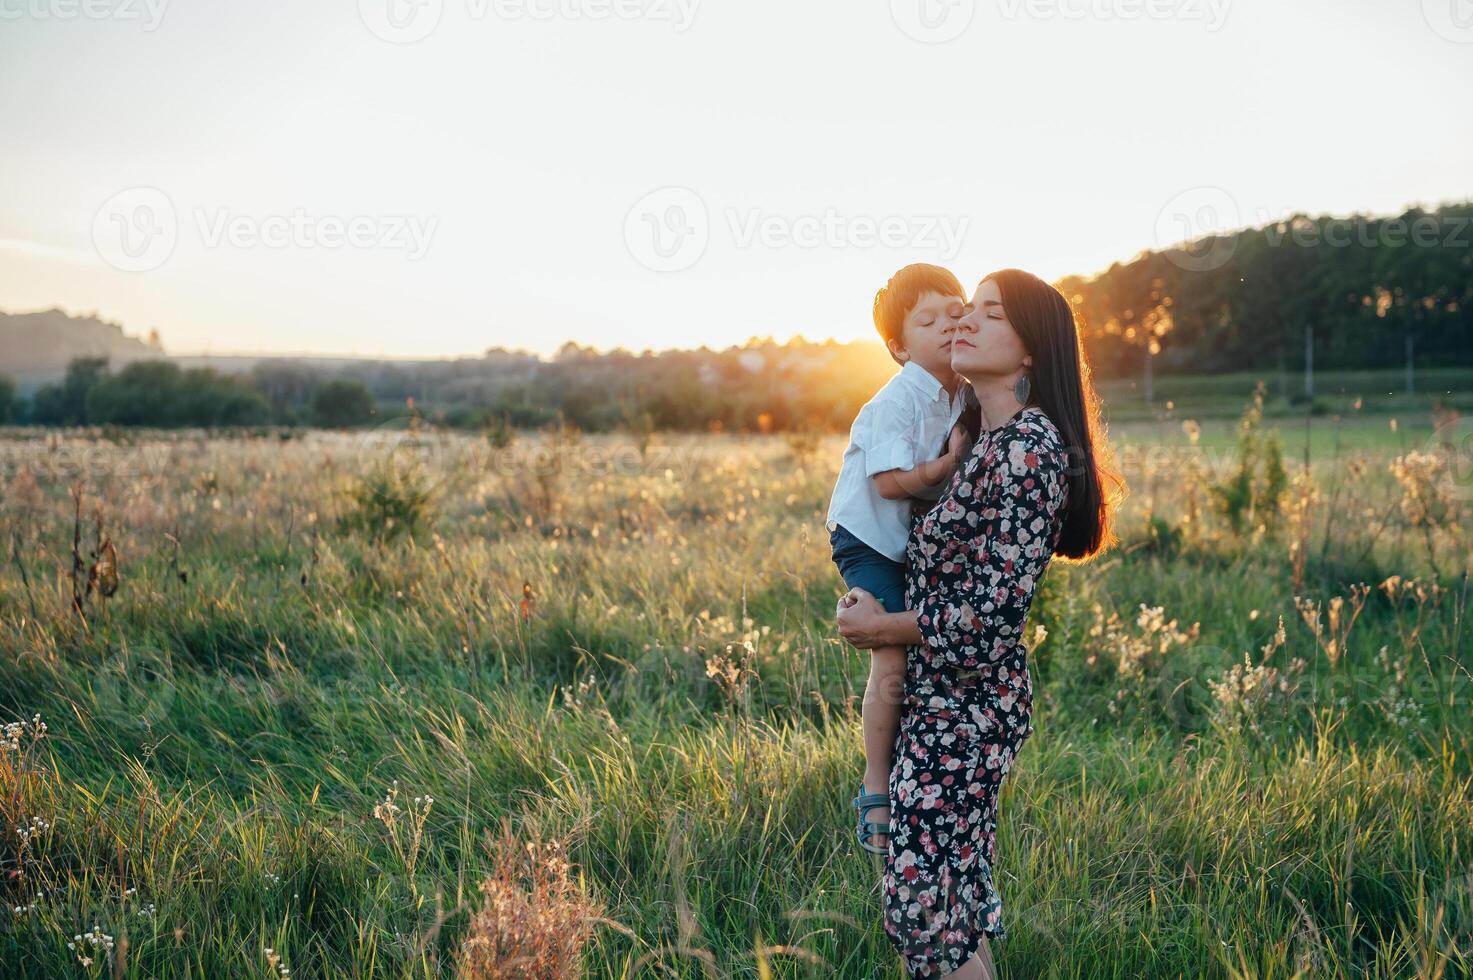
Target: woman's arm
{"x":864,"y":622}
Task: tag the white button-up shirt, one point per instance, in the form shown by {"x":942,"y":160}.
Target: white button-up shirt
{"x":904,"y":424}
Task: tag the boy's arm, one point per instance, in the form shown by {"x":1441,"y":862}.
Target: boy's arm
{"x":898,"y":484}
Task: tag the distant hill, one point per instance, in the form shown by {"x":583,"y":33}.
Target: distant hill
{"x":35,"y":347}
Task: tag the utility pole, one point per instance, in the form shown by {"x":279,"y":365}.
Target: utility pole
{"x":1308,"y":392}
{"x":1410,"y":387}
{"x":1309,"y":362}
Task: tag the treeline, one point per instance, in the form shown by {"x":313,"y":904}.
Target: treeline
{"x":761,"y":386}
{"x":161,"y":394}
{"x":1336,"y":293}
{"x":1344,"y":293}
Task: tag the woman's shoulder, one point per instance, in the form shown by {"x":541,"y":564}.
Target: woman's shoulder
{"x":1031,"y":441}
{"x":1030,"y":425}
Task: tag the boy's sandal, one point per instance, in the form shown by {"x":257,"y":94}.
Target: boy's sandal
{"x":867,"y":829}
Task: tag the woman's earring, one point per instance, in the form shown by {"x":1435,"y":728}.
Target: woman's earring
{"x":1021,"y":388}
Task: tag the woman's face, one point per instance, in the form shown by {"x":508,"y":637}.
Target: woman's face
{"x":983,"y":341}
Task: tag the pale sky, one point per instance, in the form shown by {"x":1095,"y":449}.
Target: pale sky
{"x":434,"y":177}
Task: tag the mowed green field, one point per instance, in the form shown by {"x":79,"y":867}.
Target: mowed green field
{"x":588,"y":716}
{"x":1342,"y":393}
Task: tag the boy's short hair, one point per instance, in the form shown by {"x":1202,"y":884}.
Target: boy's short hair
{"x":899,"y":296}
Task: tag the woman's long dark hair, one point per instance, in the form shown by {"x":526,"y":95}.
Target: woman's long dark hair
{"x":1060,"y":384}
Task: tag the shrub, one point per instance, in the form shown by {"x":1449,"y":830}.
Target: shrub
{"x":390,"y":500}
{"x":1254,"y":492}
{"x":342,"y":402}
{"x":535,"y":919}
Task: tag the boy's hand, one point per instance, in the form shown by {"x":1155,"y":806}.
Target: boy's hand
{"x":927,"y":481}
{"x":959,"y":442}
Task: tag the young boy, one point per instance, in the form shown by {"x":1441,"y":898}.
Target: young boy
{"x":905,"y":444}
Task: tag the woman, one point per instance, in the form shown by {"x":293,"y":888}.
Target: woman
{"x":1033,"y":485}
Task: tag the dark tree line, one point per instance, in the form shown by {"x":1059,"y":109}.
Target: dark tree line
{"x":1360,"y":292}
{"x":160,"y":393}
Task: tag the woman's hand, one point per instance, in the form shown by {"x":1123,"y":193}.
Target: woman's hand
{"x":861,"y":618}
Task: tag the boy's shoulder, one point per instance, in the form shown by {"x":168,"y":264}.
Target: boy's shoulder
{"x":901,"y":391}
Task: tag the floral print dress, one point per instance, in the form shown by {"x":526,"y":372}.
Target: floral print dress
{"x":972,"y":563}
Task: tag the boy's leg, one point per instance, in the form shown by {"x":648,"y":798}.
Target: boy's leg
{"x":863,"y":567}
{"x":881,"y":719}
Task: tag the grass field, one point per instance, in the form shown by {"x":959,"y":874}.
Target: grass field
{"x":1221,"y":396}
{"x":589,"y":708}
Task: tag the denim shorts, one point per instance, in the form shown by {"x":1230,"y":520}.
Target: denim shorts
{"x":863,"y":567}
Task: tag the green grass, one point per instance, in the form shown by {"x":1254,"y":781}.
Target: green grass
{"x":1221,"y":396}
{"x":216,"y":747}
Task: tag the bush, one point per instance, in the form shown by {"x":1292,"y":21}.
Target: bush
{"x":535,"y":919}
{"x":158,"y":393}
{"x":343,"y":402}
{"x":388,"y":501}
{"x":1316,"y":406}
{"x":1255,"y":491}
{"x":65,"y":403}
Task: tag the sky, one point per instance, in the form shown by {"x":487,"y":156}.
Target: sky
{"x":436,"y":177}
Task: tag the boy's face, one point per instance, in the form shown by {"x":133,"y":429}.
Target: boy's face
{"x":926,"y":335}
